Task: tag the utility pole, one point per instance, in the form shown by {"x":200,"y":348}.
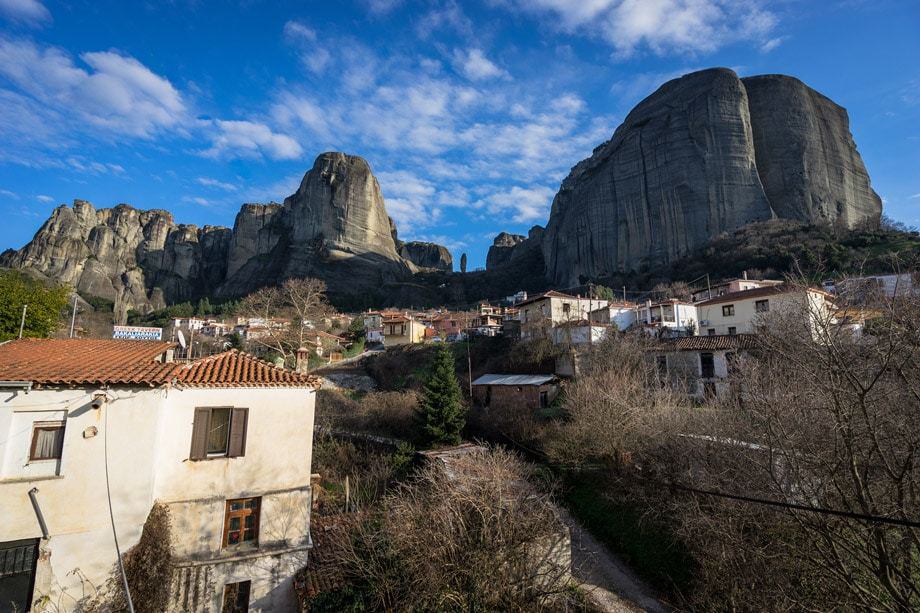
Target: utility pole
{"x":624,"y":293}
{"x":22,"y":322}
{"x":73,"y":316}
{"x":708,"y":287}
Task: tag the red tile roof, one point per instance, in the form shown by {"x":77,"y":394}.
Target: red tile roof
{"x":718,"y":342}
{"x":122,"y":362}
{"x":84,"y":361}
{"x":237,"y":369}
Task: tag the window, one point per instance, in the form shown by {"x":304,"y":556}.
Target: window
{"x":544,"y":400}
{"x":711,"y":331}
{"x":47,"y":441}
{"x":707,"y":366}
{"x":219,"y":432}
{"x":17,"y":573}
{"x":241,"y":523}
{"x":667,"y":313}
{"x":236,"y":597}
{"x":732,"y":330}
{"x":566,"y":308}
{"x":728,"y":310}
{"x":762,"y":306}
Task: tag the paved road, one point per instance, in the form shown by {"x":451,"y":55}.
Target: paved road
{"x":609,"y":583}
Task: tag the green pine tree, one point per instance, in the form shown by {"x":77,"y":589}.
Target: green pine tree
{"x":442,"y":414}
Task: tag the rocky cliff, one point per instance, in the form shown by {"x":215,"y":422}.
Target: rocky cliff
{"x":706,"y":153}
{"x":430,"y":256}
{"x":334,"y":227}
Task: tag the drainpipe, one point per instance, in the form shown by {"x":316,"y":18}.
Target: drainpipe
{"x":38,"y":513}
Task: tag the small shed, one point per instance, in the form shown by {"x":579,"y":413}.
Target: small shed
{"x":515,"y":391}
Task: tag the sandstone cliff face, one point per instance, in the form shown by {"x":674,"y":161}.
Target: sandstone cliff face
{"x":137,"y":259}
{"x":335,"y":227}
{"x":806,"y":157}
{"x":704,"y":154}
{"x":429,"y":256}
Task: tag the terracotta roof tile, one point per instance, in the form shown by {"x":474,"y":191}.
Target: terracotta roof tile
{"x":718,"y":342}
{"x":237,"y":369}
{"x":84,"y":361}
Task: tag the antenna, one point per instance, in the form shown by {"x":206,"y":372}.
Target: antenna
{"x":181,"y":339}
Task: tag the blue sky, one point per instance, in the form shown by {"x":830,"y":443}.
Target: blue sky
{"x":470,"y":113}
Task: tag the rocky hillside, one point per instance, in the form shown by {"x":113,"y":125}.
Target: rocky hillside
{"x":705,"y":154}
{"x":334,"y":227}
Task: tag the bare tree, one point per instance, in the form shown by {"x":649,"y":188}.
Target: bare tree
{"x":301,"y":301}
{"x":476,"y":536}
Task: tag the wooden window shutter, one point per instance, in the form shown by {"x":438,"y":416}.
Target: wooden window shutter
{"x":200,"y":435}
{"x":238,"y":432}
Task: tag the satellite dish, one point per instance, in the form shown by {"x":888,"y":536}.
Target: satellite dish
{"x":181,"y":339}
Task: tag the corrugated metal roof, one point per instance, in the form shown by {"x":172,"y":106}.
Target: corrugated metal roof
{"x":513,"y":379}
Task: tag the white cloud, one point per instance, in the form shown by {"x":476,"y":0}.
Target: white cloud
{"x":661,"y":26}
{"x":523,"y":204}
{"x":915,"y":196}
{"x":8,"y":194}
{"x":96,"y":168}
{"x":415,"y":202}
{"x":118,"y":93}
{"x":773,"y":43}
{"x":297,"y":31}
{"x":251,"y":139}
{"x":44,"y":198}
{"x":30,"y":12}
{"x":382,"y":7}
{"x":216,"y":184}
{"x":474,"y":65}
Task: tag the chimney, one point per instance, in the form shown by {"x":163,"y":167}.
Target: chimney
{"x":744,"y":274}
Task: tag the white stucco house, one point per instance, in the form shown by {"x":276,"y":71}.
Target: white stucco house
{"x":539,"y":314}
{"x":621,"y":314}
{"x":225,"y":442}
{"x":667,"y":318}
{"x":741,"y":312}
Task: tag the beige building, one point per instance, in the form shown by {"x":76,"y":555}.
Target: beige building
{"x":741,"y":312}
{"x":93,"y":426}
{"x":402,"y":330}
{"x":731,"y":286}
{"x":539,"y":314}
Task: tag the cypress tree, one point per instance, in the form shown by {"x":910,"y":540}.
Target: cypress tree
{"x":442,"y":414}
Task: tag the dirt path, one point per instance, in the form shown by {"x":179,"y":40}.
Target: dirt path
{"x":609,"y":583}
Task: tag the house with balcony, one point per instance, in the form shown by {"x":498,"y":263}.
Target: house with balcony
{"x":667,"y":318}
{"x":539,"y":314}
{"x":94,"y":432}
{"x":620,"y":314}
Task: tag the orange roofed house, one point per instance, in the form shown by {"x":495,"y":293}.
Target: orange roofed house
{"x":224,"y":442}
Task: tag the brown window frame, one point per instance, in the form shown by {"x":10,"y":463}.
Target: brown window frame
{"x":231,"y":598}
{"x":47,"y":425}
{"x":242,"y":514}
{"x":707,"y":365}
{"x":237,"y":431}
{"x":762,"y":306}
{"x":728,"y":310}
{"x":732,"y":330}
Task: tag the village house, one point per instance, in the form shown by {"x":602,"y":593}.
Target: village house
{"x":489,"y":320}
{"x":871,"y":289}
{"x":448,"y":325}
{"x":730,"y":286}
{"x":93,"y":426}
{"x":741,"y":312}
{"x":577,"y":333}
{"x":620,"y":314}
{"x":539,"y":314}
{"x":515,"y":391}
{"x":701,"y":363}
{"x":668,"y":318}
{"x":399,"y":329}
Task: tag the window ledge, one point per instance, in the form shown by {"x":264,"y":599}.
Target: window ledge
{"x":29,"y":479}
